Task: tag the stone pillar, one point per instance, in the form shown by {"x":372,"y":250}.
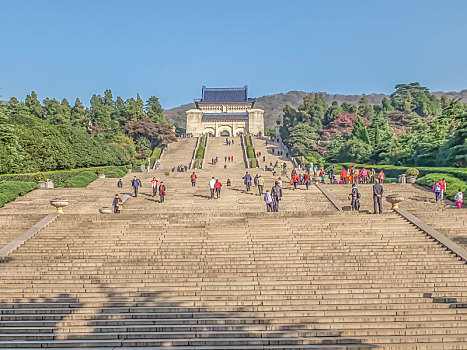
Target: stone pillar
{"x":194,"y":123}
{"x":255,"y":121}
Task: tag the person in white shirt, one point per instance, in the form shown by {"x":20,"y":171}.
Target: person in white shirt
{"x":211,"y":186}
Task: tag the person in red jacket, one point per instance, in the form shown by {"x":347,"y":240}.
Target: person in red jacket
{"x":344,"y":175}
{"x":162,"y":192}
{"x":217,"y":187}
{"x":307,"y":179}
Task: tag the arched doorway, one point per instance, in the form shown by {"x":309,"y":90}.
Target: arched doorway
{"x":225,"y":133}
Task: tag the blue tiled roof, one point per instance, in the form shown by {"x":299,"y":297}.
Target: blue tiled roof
{"x":243,"y":115}
{"x":225,"y":94}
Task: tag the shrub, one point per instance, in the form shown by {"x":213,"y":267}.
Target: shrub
{"x":40,"y":177}
{"x":412,"y":172}
{"x":452,"y":183}
{"x":156,"y":153}
{"x":167,"y":173}
{"x":81,"y":180}
{"x":253,"y":162}
{"x":116,"y":172}
{"x":10,"y":190}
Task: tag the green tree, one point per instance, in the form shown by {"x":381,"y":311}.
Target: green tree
{"x":34,"y":106}
{"x":154,"y":110}
{"x":331,"y":112}
{"x":10,"y":156}
{"x":78,"y":114}
{"x":365,"y":109}
{"x":360,"y":132}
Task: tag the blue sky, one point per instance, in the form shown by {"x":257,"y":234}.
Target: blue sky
{"x":64,"y":48}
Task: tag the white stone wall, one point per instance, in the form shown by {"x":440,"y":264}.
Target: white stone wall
{"x":256,"y":121}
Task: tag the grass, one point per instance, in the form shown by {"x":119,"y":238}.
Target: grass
{"x":9,"y":190}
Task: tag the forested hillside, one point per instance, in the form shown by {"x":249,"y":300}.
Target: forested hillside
{"x":273,"y":105}
{"x":410,"y":127}
{"x":52,"y":135}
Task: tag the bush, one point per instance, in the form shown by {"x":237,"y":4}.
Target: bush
{"x":40,"y":177}
{"x":167,"y":173}
{"x":253,"y":162}
{"x":156,"y":153}
{"x":116,"y":172}
{"x":10,"y":190}
{"x":81,"y":180}
{"x":452,"y":183}
{"x":412,"y":172}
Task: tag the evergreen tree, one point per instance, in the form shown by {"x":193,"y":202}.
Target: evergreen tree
{"x":365,"y":109}
{"x":154,"y":110}
{"x":360,"y":132}
{"x":34,"y":106}
{"x":78,"y":114}
{"x":331,"y":112}
{"x":10,"y":156}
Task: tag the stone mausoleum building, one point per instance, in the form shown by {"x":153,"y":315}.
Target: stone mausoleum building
{"x":224,"y":112}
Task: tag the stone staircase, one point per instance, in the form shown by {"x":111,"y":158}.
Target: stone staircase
{"x":195,"y":273}
{"x":218,"y":147}
{"x":178,"y":153}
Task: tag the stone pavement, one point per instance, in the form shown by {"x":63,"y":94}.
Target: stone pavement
{"x":196,"y":273}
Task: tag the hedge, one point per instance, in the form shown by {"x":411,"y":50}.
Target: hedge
{"x":81,"y":180}
{"x":250,"y":152}
{"x":10,"y":190}
{"x":156,"y":153}
{"x":59,"y":177}
{"x":452,"y":183}
{"x":116,"y":172}
{"x":253,"y":162}
{"x":200,"y":152}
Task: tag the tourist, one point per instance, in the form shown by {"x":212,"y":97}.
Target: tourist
{"x":135,"y":183}
{"x":364,"y":176}
{"x":276,"y":193}
{"x":247,"y":181}
{"x":372,"y":175}
{"x":154,"y":182}
{"x":377,"y":197}
{"x":307,"y":179}
{"x":295,"y":181}
{"x":332,"y":173}
{"x":279,"y":182}
{"x":217,"y":187}
{"x":231,"y":158}
{"x":225,"y":166}
{"x":193,"y":179}
{"x":459,"y":198}
{"x":442,"y":185}
{"x":355,"y":203}
{"x":117,"y":204}
{"x":437,"y":191}
{"x":381,"y":176}
{"x":264,"y":158}
{"x":268,"y":200}
{"x":351,"y":173}
{"x":162,"y":192}
{"x":212,"y":187}
{"x":344,"y":175}
{"x":255,"y":180}
{"x":229,"y":183}
{"x":120,"y":183}
{"x":260,"y":185}
{"x":225,"y":159}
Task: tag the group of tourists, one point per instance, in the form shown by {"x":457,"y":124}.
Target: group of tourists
{"x":229,"y":142}
{"x":215,"y":187}
{"x":180,"y":169}
{"x":354,"y":175}
{"x":439,"y":189}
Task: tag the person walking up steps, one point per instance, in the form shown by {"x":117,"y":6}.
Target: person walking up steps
{"x":459,"y":198}
{"x":276,"y":193}
{"x":377,"y":197}
{"x":260,"y":185}
{"x":217,"y":187}
{"x":135,"y":183}
{"x":212,"y":184}
{"x":268,"y":200}
{"x":154,"y":182}
{"x":442,"y":185}
{"x":193,"y":179}
{"x":162,"y":192}
{"x":247,"y":181}
{"x":120,"y":183}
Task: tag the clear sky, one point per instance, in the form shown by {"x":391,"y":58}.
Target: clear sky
{"x":170,"y":48}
